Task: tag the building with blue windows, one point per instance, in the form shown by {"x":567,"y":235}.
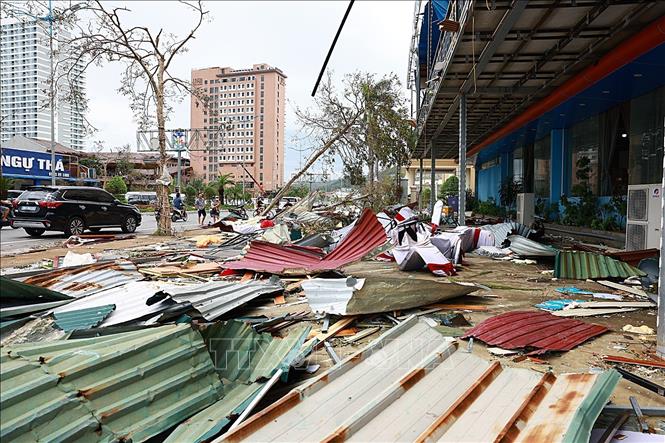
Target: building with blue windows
{"x":566,"y":97}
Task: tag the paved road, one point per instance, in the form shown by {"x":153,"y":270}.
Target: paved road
{"x":18,"y":240}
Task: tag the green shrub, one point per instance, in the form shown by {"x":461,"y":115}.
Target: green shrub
{"x":190,"y":194}
{"x":489,"y":208}
{"x":449,"y":188}
{"x":116,"y":185}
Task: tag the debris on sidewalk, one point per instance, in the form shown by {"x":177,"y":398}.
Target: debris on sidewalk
{"x":539,"y":331}
{"x":445,"y":388}
{"x":204,"y":331}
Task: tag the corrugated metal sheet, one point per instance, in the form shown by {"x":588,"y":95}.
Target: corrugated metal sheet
{"x":534,"y":329}
{"x":12,"y":311}
{"x":583,"y":265}
{"x":210,"y":422}
{"x":378,"y":292}
{"x":412,"y":384}
{"x":243,"y":355}
{"x":529,"y":248}
{"x":366,"y":235}
{"x":86,"y":280}
{"x":130,"y":302}
{"x":216,"y":298}
{"x":501,"y":231}
{"x":128,"y":386}
{"x":246,"y":357}
{"x":82,"y":318}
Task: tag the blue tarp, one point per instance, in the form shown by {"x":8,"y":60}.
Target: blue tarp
{"x":435,"y":11}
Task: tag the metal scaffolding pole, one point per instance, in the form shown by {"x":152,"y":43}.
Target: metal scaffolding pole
{"x":432,"y":194}
{"x":462,"y":160}
{"x":420,"y":185}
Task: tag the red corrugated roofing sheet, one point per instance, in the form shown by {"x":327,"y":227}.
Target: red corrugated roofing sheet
{"x":366,"y":235}
{"x":532,"y":329}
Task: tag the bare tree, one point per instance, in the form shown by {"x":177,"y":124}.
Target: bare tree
{"x":331,"y":120}
{"x":100,"y":35}
{"x":380,"y":137}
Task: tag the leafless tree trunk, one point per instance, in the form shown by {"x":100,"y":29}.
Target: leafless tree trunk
{"x":101,"y":35}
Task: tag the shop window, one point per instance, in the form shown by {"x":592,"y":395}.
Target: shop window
{"x":518,"y":164}
{"x":584,"y":156}
{"x":647,"y":114}
{"x":614,"y":150}
{"x":541,"y":167}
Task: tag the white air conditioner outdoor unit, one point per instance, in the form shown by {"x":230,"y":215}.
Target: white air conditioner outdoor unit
{"x":643,"y":218}
{"x":525,"y":208}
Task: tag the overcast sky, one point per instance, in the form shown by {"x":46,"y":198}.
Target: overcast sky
{"x":291,"y":35}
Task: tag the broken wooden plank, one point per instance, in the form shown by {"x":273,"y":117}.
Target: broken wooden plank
{"x":634,"y":361}
{"x":317,"y":341}
{"x":362,"y":334}
{"x":280,"y":300}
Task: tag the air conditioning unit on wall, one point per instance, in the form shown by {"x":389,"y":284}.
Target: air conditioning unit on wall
{"x":643,"y":218}
{"x":525,"y":208}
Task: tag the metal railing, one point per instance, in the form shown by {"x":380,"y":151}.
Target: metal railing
{"x":459,"y":12}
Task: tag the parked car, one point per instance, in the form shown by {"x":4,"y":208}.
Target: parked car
{"x":72,"y":210}
{"x":144,"y":198}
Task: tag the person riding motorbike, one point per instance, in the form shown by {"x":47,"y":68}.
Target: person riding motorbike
{"x":178,"y":205}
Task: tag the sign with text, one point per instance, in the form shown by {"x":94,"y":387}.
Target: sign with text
{"x":37,"y":164}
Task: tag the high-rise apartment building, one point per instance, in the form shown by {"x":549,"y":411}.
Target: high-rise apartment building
{"x":241,"y":122}
{"x":24,"y":85}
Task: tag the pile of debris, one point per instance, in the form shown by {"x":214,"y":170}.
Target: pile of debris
{"x":185,"y":340}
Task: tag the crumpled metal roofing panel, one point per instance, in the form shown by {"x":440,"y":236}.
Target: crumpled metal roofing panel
{"x":216,"y":298}
{"x":128,"y":386}
{"x":130,"y":301}
{"x":366,"y":235}
{"x":529,"y":248}
{"x":86,"y":280}
{"x":583,"y":265}
{"x":246,"y":357}
{"x":82,"y":318}
{"x":412,"y":384}
{"x":243,"y":355}
{"x":534,"y":329}
{"x":501,"y":231}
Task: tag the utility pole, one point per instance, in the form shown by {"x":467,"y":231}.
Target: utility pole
{"x":49,"y":17}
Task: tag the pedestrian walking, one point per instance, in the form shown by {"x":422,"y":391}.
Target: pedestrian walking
{"x":200,"y":205}
{"x":214,"y":211}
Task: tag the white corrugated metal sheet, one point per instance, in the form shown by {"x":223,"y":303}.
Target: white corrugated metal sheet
{"x":216,"y":298}
{"x":412,"y":384}
{"x":129,"y":300}
{"x":330,"y":295}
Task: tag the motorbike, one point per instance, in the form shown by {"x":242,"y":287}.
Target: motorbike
{"x":176,"y":214}
{"x":7,"y":222}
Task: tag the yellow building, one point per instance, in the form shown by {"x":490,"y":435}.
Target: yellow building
{"x":444,"y":169}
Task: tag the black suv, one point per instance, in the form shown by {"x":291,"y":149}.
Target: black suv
{"x":72,"y":210}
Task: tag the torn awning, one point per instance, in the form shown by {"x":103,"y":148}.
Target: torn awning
{"x":366,"y":235}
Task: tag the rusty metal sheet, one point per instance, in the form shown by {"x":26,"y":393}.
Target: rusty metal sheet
{"x":412,"y":384}
{"x":86,"y":280}
{"x":366,"y":235}
{"x":534,"y":329}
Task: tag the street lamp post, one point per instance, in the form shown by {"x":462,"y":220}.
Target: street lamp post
{"x":49,"y":18}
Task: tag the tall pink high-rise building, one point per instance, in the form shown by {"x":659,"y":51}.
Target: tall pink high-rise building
{"x":242,"y":123}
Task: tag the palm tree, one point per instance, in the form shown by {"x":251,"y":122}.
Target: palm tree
{"x":222,"y":182}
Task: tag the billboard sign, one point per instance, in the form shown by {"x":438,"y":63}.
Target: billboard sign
{"x":17,"y":162}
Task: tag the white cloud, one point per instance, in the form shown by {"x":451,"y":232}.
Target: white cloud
{"x":291,"y":35}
